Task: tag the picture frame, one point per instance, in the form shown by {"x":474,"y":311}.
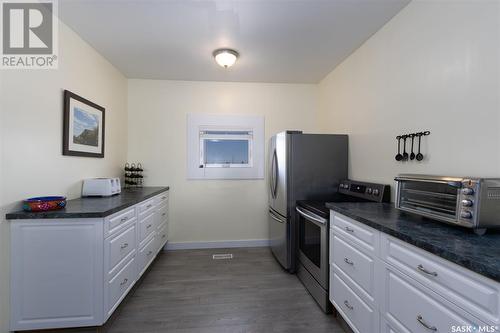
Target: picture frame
{"x":83,"y":127}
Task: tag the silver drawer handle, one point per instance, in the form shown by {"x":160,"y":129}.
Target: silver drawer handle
{"x":124,"y":282}
{"x":125,"y":245}
{"x":347,"y":261}
{"x":349,"y":306}
{"x":149,"y":253}
{"x":124,"y":219}
{"x":148,"y":226}
{"x":424,"y":324}
{"x":423,"y":270}
{"x":349,"y":229}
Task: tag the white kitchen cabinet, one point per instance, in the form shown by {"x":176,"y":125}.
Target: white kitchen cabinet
{"x":479,"y":295}
{"x":75,"y":272}
{"x":360,"y":316}
{"x":412,"y":308}
{"x":408,"y":289}
{"x":117,"y":288}
{"x":355,"y":267}
{"x":146,"y":254}
{"x":56,"y":273}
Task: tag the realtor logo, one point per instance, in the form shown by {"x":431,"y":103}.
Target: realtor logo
{"x":29,"y":34}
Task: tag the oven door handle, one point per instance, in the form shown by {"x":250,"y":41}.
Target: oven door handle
{"x":311,"y":217}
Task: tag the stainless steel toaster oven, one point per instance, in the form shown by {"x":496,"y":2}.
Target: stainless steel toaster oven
{"x":468,"y":202}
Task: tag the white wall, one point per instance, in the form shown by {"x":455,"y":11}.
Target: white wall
{"x":209,"y":210}
{"x":435,"y":66}
{"x":31,"y":104}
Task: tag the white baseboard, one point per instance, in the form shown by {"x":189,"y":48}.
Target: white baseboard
{"x":217,"y":244}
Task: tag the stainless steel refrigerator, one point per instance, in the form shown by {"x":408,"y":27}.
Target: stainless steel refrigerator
{"x":300,"y":167}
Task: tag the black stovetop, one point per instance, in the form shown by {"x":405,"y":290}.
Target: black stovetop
{"x":318,"y":207}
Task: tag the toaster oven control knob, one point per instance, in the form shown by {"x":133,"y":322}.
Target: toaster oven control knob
{"x":468,"y":191}
{"x":467,"y":203}
{"x":376,"y":192}
{"x":466,"y":214}
{"x":369,"y":190}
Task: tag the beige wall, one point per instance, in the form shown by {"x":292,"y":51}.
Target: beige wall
{"x":434,"y":66}
{"x":31,"y":133}
{"x":209,"y":210}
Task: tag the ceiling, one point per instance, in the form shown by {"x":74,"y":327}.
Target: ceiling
{"x":292,"y":41}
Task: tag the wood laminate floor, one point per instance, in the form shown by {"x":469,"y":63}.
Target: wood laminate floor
{"x":187,"y":291}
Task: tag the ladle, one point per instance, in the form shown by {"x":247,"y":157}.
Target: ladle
{"x":399,"y":157}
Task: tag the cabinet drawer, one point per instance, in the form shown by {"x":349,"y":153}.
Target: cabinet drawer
{"x":119,"y":286}
{"x":162,"y":236}
{"x":161,"y":199}
{"x":146,"y":227}
{"x":361,"y":234}
{"x":476,"y":294}
{"x":359,"y":315}
{"x":385,"y":327}
{"x":359,"y":267}
{"x":410,"y":307}
{"x":116,"y":221}
{"x":146,"y":255}
{"x":162,"y":215}
{"x":146,"y":205}
{"x":120,"y":246}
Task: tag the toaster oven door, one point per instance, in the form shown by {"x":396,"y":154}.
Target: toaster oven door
{"x":438,"y":199}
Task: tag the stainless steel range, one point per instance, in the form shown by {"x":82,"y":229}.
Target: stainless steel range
{"x":313,"y":227}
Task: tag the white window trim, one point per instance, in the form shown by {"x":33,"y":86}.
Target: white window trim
{"x":199,"y":123}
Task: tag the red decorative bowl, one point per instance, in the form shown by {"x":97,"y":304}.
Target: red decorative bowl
{"x":43,"y":204}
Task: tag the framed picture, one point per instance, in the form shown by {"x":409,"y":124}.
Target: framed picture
{"x":83,"y":130}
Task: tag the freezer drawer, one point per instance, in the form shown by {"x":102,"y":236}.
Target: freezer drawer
{"x":278,"y":238}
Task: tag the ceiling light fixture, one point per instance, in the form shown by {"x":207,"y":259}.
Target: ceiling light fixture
{"x":225,"y":57}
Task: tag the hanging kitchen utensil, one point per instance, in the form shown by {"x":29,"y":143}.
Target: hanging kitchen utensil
{"x":405,"y":154}
{"x":399,"y":157}
{"x":420,"y":156}
{"x":412,"y":155}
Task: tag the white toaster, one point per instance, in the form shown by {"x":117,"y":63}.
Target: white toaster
{"x":101,"y":187}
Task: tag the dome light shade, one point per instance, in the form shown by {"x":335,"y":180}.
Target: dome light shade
{"x":225,"y":57}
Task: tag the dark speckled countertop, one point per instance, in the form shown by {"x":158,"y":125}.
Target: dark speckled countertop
{"x":94,"y":207}
{"x":461,"y":246}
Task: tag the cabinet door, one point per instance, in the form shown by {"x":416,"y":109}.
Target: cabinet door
{"x":410,"y":307}
{"x":359,"y":315}
{"x":56,"y":273}
{"x":475,"y":293}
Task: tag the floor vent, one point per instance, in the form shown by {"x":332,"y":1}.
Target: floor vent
{"x":222,"y":256}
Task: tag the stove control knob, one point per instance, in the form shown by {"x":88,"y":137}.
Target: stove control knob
{"x":376,"y":192}
{"x":468,"y":191}
{"x":467,"y":203}
{"x":466,"y":214}
{"x":369,"y":190}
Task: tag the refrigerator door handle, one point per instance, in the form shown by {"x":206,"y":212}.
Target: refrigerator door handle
{"x":275,"y":177}
{"x":274,"y":217}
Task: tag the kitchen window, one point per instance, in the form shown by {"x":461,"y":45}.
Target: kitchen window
{"x":225,"y":147}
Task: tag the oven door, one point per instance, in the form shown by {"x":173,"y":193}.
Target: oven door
{"x":313,"y":244}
